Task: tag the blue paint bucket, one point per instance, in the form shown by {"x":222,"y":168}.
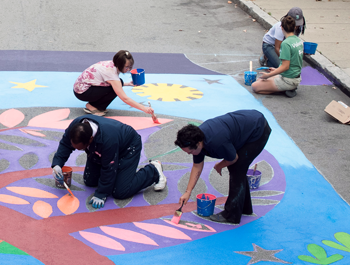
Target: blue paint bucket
{"x":254,"y":178}
{"x":205,"y":204}
{"x":310,"y":47}
{"x":249,"y":77}
{"x":138,"y":76}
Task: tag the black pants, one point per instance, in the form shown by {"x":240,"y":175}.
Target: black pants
{"x":239,"y":201}
{"x":127,"y":181}
{"x":98,"y":96}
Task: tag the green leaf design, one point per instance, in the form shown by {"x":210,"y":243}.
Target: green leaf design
{"x":343,"y":238}
{"x":320,"y":255}
{"x":317,"y":251}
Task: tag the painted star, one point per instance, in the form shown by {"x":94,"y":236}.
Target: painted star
{"x":29,"y":85}
{"x":260,"y":254}
{"x":212,"y":81}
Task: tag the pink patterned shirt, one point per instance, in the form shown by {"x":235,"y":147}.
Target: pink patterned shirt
{"x":96,"y":75}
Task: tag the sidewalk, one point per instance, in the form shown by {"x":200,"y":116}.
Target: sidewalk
{"x":327,"y":23}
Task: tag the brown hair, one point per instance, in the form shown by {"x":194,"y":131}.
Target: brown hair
{"x":288,"y":24}
{"x":120,"y":58}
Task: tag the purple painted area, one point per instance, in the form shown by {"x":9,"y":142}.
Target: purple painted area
{"x":312,"y":77}
{"x":277,"y":183}
{"x":157,"y":63}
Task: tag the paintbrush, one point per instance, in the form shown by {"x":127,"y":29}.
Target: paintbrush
{"x":154,"y":117}
{"x":256,"y":165}
{"x":177,"y":215}
{"x":64,"y":183}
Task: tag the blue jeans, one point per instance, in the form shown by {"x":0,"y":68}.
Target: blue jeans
{"x":272,"y":58}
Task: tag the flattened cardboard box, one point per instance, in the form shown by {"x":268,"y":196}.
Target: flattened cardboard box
{"x":339,"y":111}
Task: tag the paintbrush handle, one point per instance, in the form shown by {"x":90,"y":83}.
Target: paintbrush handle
{"x":255,"y":169}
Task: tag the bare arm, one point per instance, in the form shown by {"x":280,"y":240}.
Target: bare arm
{"x":196,"y":172}
{"x":278,"y":47}
{"x":224,"y":163}
{"x":282,"y":68}
{"x":118,"y":89}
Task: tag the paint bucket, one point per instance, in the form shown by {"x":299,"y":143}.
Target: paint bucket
{"x":67,"y":176}
{"x":254,"y":180}
{"x":138,"y":76}
{"x":205,"y":204}
{"x":249,"y":77}
{"x":310,"y":47}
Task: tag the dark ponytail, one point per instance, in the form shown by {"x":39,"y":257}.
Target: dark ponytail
{"x":120,"y":58}
{"x":288,"y":24}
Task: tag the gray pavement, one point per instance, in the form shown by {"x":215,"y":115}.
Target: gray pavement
{"x":211,"y":33}
{"x":327,"y":24}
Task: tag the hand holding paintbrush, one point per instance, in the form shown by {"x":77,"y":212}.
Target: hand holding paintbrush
{"x":177,"y":215}
{"x":64,"y":183}
{"x":154,"y":117}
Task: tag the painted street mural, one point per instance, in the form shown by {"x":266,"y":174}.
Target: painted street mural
{"x":298,"y":217}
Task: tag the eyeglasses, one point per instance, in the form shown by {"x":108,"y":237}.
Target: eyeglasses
{"x":127,"y":67}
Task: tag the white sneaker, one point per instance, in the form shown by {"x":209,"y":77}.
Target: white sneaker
{"x":162,"y":179}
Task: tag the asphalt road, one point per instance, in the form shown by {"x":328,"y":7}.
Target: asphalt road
{"x":211,"y":33}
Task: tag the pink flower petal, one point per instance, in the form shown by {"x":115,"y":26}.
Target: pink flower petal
{"x":52,"y":119}
{"x":68,"y":204}
{"x":12,"y":117}
{"x":43,"y":209}
{"x":12,"y":199}
{"x":163,"y":230}
{"x":33,"y":132}
{"x":128,"y":235}
{"x":32,"y":192}
{"x":102,"y":240}
{"x":139,"y":123}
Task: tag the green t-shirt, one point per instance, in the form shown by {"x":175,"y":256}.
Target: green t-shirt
{"x":292,"y":50}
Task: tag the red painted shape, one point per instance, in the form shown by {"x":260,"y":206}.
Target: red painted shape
{"x":47,"y":239}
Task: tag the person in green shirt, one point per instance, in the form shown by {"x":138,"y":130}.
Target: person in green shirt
{"x":286,"y":77}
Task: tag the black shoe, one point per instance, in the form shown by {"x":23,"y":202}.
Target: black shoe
{"x":291,"y":93}
{"x":218,"y":218}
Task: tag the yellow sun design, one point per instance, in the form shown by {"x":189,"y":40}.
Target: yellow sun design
{"x":167,"y":92}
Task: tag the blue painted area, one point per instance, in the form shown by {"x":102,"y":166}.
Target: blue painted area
{"x":230,"y":96}
{"x":311,"y":211}
{"x":303,"y":217}
{"x":6,"y":259}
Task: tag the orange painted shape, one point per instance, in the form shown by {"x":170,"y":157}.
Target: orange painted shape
{"x":128,"y":235}
{"x":139,"y":123}
{"x":163,"y":230}
{"x":33,"y":132}
{"x":52,"y":119}
{"x":68,"y":204}
{"x":12,"y":199}
{"x":1,"y":240}
{"x":101,"y":240}
{"x":43,"y":209}
{"x":12,"y":117}
{"x":192,"y":227}
{"x":32,"y":192}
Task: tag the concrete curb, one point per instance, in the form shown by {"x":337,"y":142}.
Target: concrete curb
{"x":318,"y":61}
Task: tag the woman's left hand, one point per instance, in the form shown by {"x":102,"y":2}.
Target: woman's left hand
{"x":218,"y":168}
{"x":264,"y":75}
{"x":131,"y":83}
